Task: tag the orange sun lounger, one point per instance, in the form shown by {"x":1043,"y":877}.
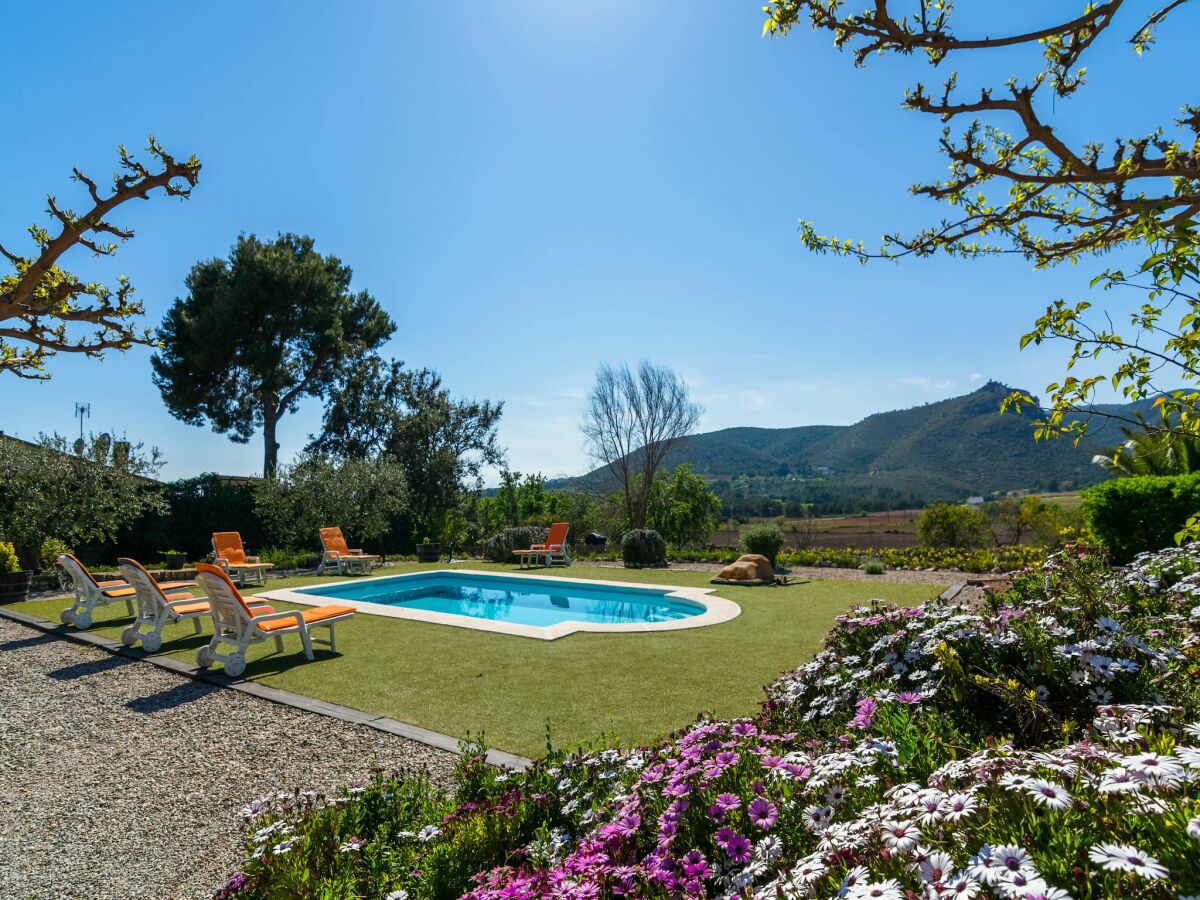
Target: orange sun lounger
{"x":555,"y":549}
{"x":229,"y":553}
{"x":237,"y":625}
{"x":90,"y":593}
{"x":338,"y":554}
{"x":156,"y":609}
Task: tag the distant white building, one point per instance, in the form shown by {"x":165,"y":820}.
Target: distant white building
{"x":974,"y":501}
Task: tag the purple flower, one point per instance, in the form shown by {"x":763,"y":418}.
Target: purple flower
{"x":865,"y":717}
{"x":738,"y":848}
{"x":695,"y":866}
{"x":727,"y":758}
{"x":762,"y":813}
{"x":744,"y":729}
{"x":726,"y":803}
{"x":723,"y":836}
{"x":908,"y":697}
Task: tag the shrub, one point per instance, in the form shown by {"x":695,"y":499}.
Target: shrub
{"x":874,"y":567}
{"x":288,"y":559}
{"x":51,"y":550}
{"x":1133,"y":515}
{"x":765,"y":539}
{"x":9,"y":564}
{"x":944,"y":525}
{"x":643,"y":547}
{"x":499,"y":548}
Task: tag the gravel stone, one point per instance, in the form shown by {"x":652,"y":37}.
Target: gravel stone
{"x":121,"y":780}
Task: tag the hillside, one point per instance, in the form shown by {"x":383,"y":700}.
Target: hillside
{"x":944,"y":450}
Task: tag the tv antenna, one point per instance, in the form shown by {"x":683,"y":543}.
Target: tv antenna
{"x":82,"y":411}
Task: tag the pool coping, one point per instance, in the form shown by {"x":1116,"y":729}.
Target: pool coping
{"x":303,"y":702}
{"x":716,"y":609}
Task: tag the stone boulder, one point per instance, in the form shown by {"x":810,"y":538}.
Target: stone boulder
{"x":749,"y":567}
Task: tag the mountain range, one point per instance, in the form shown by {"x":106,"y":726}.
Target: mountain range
{"x":945,"y":450}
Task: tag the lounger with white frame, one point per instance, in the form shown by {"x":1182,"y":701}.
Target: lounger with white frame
{"x":238,"y":626}
{"x":91,"y":594}
{"x":339,"y":554}
{"x":156,"y":609}
{"x":555,"y":550}
{"x":229,"y":553}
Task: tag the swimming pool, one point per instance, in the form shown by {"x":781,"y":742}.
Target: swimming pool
{"x":540,"y":606}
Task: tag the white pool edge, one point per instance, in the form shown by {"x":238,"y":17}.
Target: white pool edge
{"x":716,"y":609}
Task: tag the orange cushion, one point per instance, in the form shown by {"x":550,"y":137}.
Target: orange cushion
{"x":188,"y":609}
{"x":311,"y":616}
{"x":113,"y":583}
{"x":118,"y":593}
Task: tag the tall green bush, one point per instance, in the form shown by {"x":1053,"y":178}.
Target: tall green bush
{"x":1132,"y":515}
{"x":765,"y":539}
{"x":643,"y":547}
{"x":499,"y":548}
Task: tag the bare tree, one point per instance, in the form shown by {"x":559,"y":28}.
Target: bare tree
{"x":632,"y":421}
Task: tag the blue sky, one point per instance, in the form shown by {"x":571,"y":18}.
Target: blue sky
{"x":533,"y":187}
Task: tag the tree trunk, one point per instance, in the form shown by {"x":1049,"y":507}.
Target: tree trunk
{"x":270,"y":445}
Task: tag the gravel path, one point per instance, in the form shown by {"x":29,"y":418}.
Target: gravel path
{"x":122,"y":780}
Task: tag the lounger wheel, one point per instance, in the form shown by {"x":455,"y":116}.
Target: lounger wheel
{"x":83,"y":620}
{"x":67,"y":617}
{"x":235,"y":665}
{"x":152,"y":642}
{"x":204,"y":657}
{"x":129,"y":636}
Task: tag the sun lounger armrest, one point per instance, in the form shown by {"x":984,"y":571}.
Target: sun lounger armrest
{"x":179,"y":600}
{"x":253,"y":559}
{"x":284,"y":614}
{"x":220,"y":561}
{"x":333,"y":554}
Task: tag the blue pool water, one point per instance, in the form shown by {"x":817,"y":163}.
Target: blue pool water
{"x":525,"y":601}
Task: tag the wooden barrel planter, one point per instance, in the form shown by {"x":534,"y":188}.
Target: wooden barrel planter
{"x":15,"y":587}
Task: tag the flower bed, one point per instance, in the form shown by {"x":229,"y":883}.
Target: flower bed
{"x":1036,"y":749}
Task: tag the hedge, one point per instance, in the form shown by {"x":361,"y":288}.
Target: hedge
{"x":1132,"y":515}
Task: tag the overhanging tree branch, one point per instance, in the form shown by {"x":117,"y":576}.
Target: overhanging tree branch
{"x":42,"y":296}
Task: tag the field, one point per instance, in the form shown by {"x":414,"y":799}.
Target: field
{"x":895,"y":529}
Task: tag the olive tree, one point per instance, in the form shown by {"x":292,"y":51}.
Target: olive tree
{"x":631,"y":422}
{"x":45,"y":309}
{"x":442,"y":443}
{"x":361,"y":496}
{"x":49,"y":491}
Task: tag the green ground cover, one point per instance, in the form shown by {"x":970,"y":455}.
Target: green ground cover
{"x":629,"y":688}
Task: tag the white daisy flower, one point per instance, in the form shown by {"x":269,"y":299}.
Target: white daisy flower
{"x":1193,"y":828}
{"x":1123,"y":858}
{"x":880,"y":890}
{"x":900,"y":837}
{"x":1049,"y":794}
{"x":1154,"y":765}
{"x":935,"y":867}
{"x":959,"y":806}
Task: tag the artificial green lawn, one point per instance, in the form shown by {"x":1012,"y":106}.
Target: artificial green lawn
{"x":626,"y":687}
